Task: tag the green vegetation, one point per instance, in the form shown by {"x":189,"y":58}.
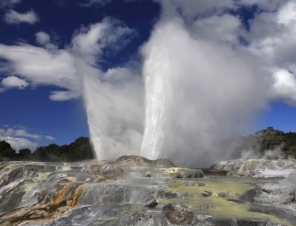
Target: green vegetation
{"x":269,"y":139}
{"x":78,"y":150}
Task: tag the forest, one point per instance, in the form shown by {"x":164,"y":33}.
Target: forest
{"x":78,"y":150}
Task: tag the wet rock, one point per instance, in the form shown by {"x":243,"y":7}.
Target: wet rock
{"x":241,"y":222}
{"x":178,"y":215}
{"x":248,"y":196}
{"x":134,"y":160}
{"x":206,"y":193}
{"x":163,"y":163}
{"x":257,"y":168}
{"x":107,"y":171}
{"x":116,"y":193}
{"x":184,"y":173}
{"x":151,"y":203}
{"x":282,"y":194}
{"x":190,"y":183}
{"x":141,"y":161}
{"x":141,"y":218}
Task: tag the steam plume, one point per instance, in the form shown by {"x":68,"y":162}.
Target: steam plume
{"x":197,"y":91}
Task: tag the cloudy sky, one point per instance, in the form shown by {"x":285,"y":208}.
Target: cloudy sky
{"x":145,"y":75}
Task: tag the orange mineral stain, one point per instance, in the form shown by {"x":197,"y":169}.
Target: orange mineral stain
{"x":75,"y":198}
{"x":60,"y":195}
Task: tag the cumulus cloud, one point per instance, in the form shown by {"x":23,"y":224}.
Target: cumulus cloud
{"x":284,"y":88}
{"x":271,"y":37}
{"x":20,"y":143}
{"x":44,"y":40}
{"x":90,"y":42}
{"x":18,"y":132}
{"x":43,"y":67}
{"x":21,"y":138}
{"x":12,"y":81}
{"x":13,"y":17}
{"x":48,"y":65}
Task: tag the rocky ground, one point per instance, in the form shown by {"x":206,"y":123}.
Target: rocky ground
{"x":137,"y":191}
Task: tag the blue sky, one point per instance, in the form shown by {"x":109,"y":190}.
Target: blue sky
{"x":30,"y":108}
{"x":65,"y":63}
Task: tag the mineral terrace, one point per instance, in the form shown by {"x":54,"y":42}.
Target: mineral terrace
{"x":137,"y":191}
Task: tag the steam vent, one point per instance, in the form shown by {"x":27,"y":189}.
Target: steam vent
{"x":137,"y":191}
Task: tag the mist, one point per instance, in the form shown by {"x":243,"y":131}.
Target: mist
{"x":114,"y":107}
{"x":197,"y":92}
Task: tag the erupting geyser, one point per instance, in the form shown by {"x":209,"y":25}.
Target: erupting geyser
{"x":196,"y":92}
{"x":156,"y":94}
{"x":188,"y":94}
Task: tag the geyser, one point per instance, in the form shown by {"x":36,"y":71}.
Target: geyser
{"x":114,"y":111}
{"x":197,"y":91}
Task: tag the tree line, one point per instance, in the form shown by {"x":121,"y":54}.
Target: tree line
{"x":78,"y":150}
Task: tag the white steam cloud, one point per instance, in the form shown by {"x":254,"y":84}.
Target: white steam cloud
{"x":196,"y":91}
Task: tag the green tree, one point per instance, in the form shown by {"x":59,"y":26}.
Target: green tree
{"x":24,"y":153}
{"x":6,"y":152}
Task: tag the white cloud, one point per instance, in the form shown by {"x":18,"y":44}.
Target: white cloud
{"x":13,"y":17}
{"x":52,"y":66}
{"x":190,"y":9}
{"x":12,"y":81}
{"x":20,"y":138}
{"x":9,"y":3}
{"x":44,"y":40}
{"x":272,"y":38}
{"x":19,"y":133}
{"x":287,"y":14}
{"x":49,"y":138}
{"x":20,"y":143}
{"x":42,"y":67}
{"x":269,"y":5}
{"x":284,"y":87}
{"x":63,"y":95}
{"x":90,"y":42}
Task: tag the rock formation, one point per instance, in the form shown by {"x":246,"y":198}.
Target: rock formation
{"x":134,"y":191}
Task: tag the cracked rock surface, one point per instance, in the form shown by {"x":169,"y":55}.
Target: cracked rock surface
{"x":134,"y":191}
